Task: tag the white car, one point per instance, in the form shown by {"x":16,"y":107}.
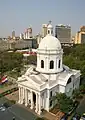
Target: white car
{"x":83,"y":117}
{"x":2,"y":109}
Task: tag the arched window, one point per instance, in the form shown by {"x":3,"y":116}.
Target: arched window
{"x":48,"y":31}
{"x":42,"y":64}
{"x":51,"y":64}
{"x":59,"y":64}
{"x":69,"y":81}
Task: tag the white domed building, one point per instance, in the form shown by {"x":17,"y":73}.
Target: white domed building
{"x":41,"y":82}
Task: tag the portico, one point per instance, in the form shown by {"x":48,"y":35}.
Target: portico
{"x":26,"y":97}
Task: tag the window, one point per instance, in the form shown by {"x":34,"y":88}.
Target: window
{"x":48,"y":31}
{"x":50,"y":103}
{"x":42,"y":64}
{"x":69,"y":81}
{"x":51,"y":64}
{"x":51,"y":94}
{"x":59,"y":64}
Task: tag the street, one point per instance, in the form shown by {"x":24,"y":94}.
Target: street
{"x":16,"y":111}
{"x":81,"y":107}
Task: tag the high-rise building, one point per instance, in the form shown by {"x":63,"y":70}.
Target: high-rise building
{"x":82,"y":28}
{"x":13,"y":34}
{"x":21,"y":36}
{"x":28,"y":33}
{"x":44,"y":30}
{"x":63,"y":33}
{"x":80,"y":36}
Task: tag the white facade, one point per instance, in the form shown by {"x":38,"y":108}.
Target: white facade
{"x":39,"y":84}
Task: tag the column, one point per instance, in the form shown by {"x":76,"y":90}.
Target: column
{"x":26,"y":97}
{"x":19,"y":96}
{"x":48,"y":96}
{"x":31,"y":100}
{"x":39,"y":112}
{"x":44,"y":101}
{"x":23,"y":95}
{"x":36,"y":103}
{"x":57,"y":64}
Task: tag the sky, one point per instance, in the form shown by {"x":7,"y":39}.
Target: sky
{"x":20,"y":14}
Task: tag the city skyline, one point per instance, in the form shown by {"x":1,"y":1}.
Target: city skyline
{"x":19,"y":15}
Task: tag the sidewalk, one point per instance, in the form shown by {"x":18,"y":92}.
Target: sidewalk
{"x":13,"y":96}
{"x":48,"y":115}
{"x":4,"y":88}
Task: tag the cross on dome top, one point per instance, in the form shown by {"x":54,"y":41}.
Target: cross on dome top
{"x":50,"y":22}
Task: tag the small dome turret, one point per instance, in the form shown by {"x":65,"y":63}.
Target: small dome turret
{"x":50,"y":29}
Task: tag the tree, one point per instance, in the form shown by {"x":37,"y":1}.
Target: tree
{"x":74,"y":57}
{"x":32,"y":59}
{"x":77,"y":94}
{"x":82,"y":88}
{"x":65,"y":103}
{"x":9,"y":61}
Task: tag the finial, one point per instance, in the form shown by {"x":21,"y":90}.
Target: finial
{"x":50,"y":22}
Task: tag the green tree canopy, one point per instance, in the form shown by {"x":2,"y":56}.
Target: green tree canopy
{"x":9,"y":61}
{"x":65,"y":103}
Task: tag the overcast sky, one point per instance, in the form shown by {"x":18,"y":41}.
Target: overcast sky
{"x":20,"y":14}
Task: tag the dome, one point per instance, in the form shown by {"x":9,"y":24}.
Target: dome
{"x":50,"y":43}
{"x":49,"y":26}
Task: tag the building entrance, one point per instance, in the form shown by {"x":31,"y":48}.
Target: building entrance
{"x":34,"y":98}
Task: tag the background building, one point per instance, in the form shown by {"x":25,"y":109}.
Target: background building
{"x":21,"y":36}
{"x":80,"y":36}
{"x":39,"y":38}
{"x":18,"y":44}
{"x":44,"y":30}
{"x":63,"y":33}
{"x":25,"y":43}
{"x":28,"y":33}
{"x":13,"y":34}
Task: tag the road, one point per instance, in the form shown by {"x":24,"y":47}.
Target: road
{"x":81,"y":107}
{"x":16,"y":111}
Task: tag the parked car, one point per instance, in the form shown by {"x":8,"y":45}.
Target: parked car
{"x":83,"y":117}
{"x":6,"y":105}
{"x":64,"y":117}
{"x":76,"y":117}
{"x":75,"y":105}
{"x":2,"y":108}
